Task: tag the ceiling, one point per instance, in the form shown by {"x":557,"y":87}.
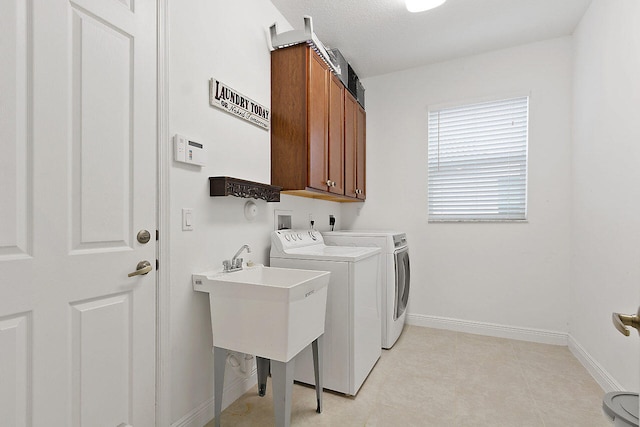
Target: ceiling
{"x":381,"y":36}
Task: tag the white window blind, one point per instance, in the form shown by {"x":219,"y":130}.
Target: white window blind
{"x":478,"y":161}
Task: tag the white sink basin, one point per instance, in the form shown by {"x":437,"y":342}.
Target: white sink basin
{"x":266,"y":311}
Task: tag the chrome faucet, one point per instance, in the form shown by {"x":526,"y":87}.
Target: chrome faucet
{"x":235,"y":263}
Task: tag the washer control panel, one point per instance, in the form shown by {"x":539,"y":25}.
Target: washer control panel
{"x":400,"y":240}
{"x":292,"y":239}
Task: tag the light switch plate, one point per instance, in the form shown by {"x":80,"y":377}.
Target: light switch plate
{"x":187,"y":219}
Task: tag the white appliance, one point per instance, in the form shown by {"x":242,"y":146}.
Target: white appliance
{"x":394,"y":274}
{"x":352,"y":342}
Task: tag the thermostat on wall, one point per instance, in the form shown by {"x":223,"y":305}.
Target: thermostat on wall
{"x":187,"y":151}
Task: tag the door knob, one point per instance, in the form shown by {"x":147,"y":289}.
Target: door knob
{"x":620,"y":321}
{"x":143,"y":236}
{"x":142,"y":268}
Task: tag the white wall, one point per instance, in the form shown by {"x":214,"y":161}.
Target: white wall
{"x":228,"y":42}
{"x":502,"y":273}
{"x":606,"y":185}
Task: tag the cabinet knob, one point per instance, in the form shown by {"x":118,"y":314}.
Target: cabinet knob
{"x":328,"y":183}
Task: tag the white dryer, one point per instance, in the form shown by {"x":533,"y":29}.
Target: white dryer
{"x":395,"y":274}
{"x":352,"y":342}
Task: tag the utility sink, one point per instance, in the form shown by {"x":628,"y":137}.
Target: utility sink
{"x":266,"y":311}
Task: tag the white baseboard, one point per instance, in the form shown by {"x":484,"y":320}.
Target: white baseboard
{"x":489,"y":329}
{"x":602,"y":377}
{"x":202,"y":414}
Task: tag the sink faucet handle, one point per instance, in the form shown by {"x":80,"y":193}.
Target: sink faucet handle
{"x":235,"y":263}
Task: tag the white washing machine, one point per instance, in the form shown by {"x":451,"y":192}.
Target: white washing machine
{"x":395,"y":274}
{"x":352,"y":342}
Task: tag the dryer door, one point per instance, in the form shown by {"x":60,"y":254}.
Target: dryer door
{"x":403,"y":274}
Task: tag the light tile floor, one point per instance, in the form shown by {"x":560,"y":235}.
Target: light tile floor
{"x":435,"y":377}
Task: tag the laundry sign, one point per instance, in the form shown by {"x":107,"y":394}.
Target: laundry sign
{"x":233,"y":102}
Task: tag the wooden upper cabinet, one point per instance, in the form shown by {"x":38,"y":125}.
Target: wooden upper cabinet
{"x":318,"y":122}
{"x":350,"y":136}
{"x":289,"y":146}
{"x":361,"y":152}
{"x":336,"y":135}
{"x":307,"y":126}
{"x":354,"y":147}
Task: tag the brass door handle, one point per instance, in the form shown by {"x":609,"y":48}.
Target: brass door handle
{"x":620,"y":321}
{"x":142,"y":268}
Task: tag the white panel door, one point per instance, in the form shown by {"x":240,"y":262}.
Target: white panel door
{"x":77,"y":183}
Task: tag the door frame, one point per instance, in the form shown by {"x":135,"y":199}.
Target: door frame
{"x":163,"y":306}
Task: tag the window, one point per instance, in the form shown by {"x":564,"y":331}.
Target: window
{"x":477,"y":164}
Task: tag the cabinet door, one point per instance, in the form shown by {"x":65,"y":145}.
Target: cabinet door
{"x":350,"y":135}
{"x":318,"y":122}
{"x":336,"y":135}
{"x":361,"y":148}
